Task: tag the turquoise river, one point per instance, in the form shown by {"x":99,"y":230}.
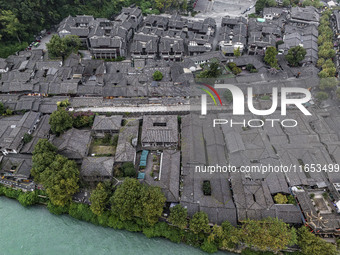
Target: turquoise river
{"x":35,"y":231}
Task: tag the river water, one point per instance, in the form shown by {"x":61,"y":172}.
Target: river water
{"x":35,"y":231}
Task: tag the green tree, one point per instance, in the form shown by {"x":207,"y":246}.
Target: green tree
{"x":2,"y":108}
{"x":286,"y":3}
{"x":311,"y":244}
{"x":132,"y":199}
{"x":269,"y":233}
{"x":184,"y":5}
{"x":230,"y":237}
{"x":11,"y":25}
{"x":9,"y":112}
{"x":56,"y":47}
{"x":60,"y":179}
{"x":213,"y":71}
{"x":63,"y":47}
{"x":328,"y":64}
{"x":28,"y":198}
{"x":178,"y":216}
{"x":199,"y":223}
{"x":236,"y":70}
{"x":280,"y":198}
{"x":296,"y":55}
{"x":129,"y":169}
{"x":27,"y":138}
{"x":209,"y":247}
{"x":237,"y":52}
{"x":43,"y":155}
{"x":326,"y":50}
{"x":270,"y":57}
{"x":291,"y":200}
{"x":60,"y":121}
{"x":320,"y":62}
{"x":206,"y":187}
{"x":125,"y":198}
{"x":72,"y":43}
{"x":152,"y":203}
{"x":321,"y":96}
{"x":261,"y":4}
{"x":99,"y":199}
{"x":157,"y":76}
{"x":328,"y":83}
{"x":57,"y":174}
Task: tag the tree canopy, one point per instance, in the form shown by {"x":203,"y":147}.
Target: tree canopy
{"x":261,"y":4}
{"x":311,"y":244}
{"x":212,"y":70}
{"x":129,"y":169}
{"x":269,"y":233}
{"x":157,"y":76}
{"x":132,"y":199}
{"x":43,"y":155}
{"x":328,"y":83}
{"x":296,"y":55}
{"x":199,"y":223}
{"x":60,"y":121}
{"x":237,"y":52}
{"x":2,"y":108}
{"x":280,"y":199}
{"x":99,"y":198}
{"x":60,"y":179}
{"x":178,"y":216}
{"x":56,"y":173}
{"x":63,"y":47}
{"x":270,"y":57}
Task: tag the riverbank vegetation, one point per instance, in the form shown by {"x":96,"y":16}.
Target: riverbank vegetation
{"x":138,"y":208}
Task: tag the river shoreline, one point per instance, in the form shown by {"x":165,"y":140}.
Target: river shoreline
{"x":44,"y":205}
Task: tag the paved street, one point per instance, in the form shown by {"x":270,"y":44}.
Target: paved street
{"x":139,"y":109}
{"x":43,"y":41}
{"x":220,"y":8}
{"x":86,"y":54}
{"x":25,"y":186}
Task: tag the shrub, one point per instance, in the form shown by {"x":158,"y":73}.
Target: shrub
{"x":232,"y":65}
{"x":206,"y":188}
{"x":129,"y":169}
{"x":157,"y":76}
{"x":236,"y":70}
{"x":27,"y":138}
{"x":321,"y":96}
{"x":280,"y":199}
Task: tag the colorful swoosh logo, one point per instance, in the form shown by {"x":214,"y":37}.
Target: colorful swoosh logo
{"x":211,"y":95}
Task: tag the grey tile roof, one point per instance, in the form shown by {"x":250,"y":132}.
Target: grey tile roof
{"x":22,"y":165}
{"x":125,"y":151}
{"x":97,"y":166}
{"x":14,"y":131}
{"x":74,"y":143}
{"x":308,"y":14}
{"x":169,"y":175}
{"x":41,"y":132}
{"x":153,"y":133}
{"x":107,"y":123}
